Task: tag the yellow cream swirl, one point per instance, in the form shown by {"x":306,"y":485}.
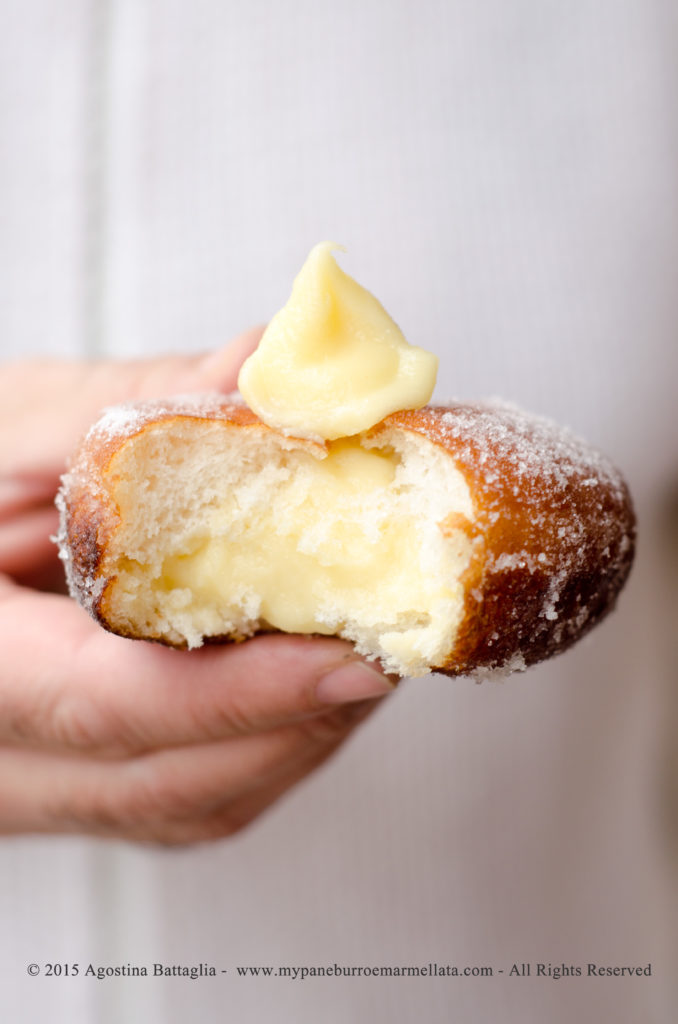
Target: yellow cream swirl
{"x":332,"y":362}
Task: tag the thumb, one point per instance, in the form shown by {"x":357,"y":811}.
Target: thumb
{"x":47,"y":404}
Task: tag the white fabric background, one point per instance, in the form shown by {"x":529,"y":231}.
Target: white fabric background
{"x":504,"y":178}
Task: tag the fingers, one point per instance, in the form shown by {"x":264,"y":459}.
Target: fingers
{"x":218,"y":370}
{"x":21,"y":494}
{"x":182,"y":795}
{"x":47,"y":405}
{"x":85,"y":690}
{"x":25,"y":540}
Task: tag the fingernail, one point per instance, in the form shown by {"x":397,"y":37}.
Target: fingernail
{"x":219,"y":369}
{"x":355,"y":680}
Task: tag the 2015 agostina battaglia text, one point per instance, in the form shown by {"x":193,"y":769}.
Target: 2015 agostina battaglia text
{"x":204,"y":970}
{"x":156,"y":970}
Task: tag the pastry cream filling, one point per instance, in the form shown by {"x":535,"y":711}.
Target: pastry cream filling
{"x":332,"y":362}
{"x":293,"y":562}
{"x":336,"y":544}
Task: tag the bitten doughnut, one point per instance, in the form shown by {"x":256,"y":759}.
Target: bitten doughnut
{"x":330,"y":498}
{"x":456,"y":539}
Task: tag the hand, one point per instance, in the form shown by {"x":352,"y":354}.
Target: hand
{"x":124,"y":738}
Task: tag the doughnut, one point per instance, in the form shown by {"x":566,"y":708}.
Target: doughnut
{"x":327,"y":497}
{"x":466,"y":539}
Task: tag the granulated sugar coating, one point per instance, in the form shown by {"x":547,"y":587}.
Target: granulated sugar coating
{"x":555,"y":527}
{"x":519,"y":535}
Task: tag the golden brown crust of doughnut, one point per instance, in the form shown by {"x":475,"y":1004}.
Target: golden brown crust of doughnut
{"x":553,"y":536}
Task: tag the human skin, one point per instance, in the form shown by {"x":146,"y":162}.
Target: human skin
{"x":128,"y":739}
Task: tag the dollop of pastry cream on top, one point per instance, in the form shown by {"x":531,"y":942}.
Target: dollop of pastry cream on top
{"x":332,"y":362}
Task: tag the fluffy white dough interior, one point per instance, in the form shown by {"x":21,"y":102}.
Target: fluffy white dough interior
{"x":226,"y":531}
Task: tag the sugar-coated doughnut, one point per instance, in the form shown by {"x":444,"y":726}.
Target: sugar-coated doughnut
{"x":460,"y":539}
